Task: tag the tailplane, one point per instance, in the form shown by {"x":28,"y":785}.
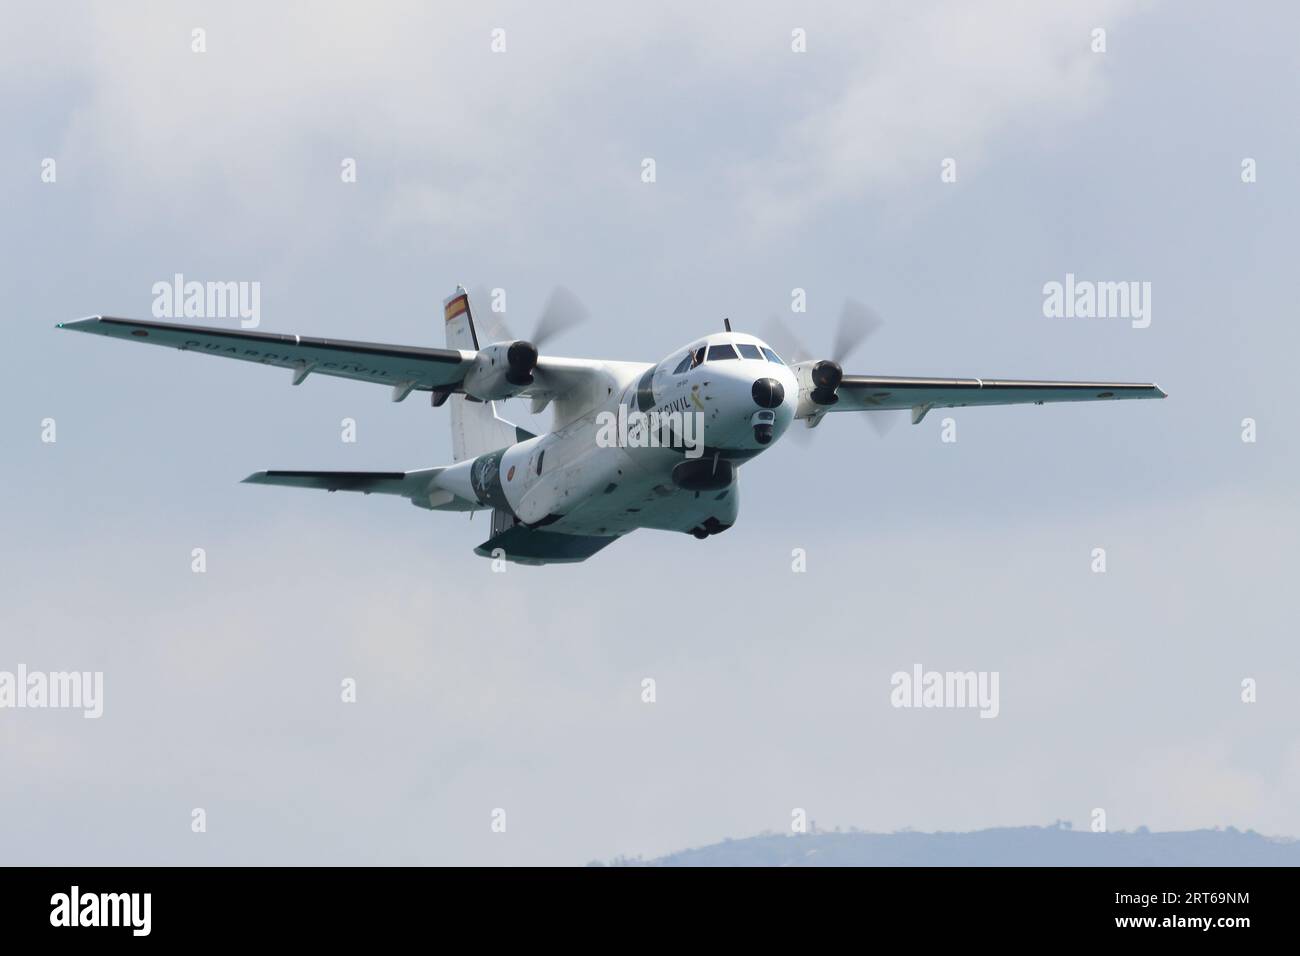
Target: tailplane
{"x":419,"y":486}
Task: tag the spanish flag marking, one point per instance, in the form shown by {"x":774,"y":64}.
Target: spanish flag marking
{"x":456,"y":307}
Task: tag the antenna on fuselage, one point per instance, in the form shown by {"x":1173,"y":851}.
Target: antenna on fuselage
{"x":726,"y":323}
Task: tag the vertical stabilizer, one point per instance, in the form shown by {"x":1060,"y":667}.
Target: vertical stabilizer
{"x":475,"y":427}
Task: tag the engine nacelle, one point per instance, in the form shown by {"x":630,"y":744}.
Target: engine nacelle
{"x":818,"y":383}
{"x":501,"y":370}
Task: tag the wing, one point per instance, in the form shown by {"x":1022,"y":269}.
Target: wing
{"x":577,"y":386}
{"x":867,"y":392}
{"x":404,"y":367}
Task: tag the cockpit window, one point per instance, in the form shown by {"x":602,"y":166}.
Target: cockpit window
{"x":719,"y":352}
{"x":772,"y":356}
{"x":749,"y":351}
{"x":691,"y":360}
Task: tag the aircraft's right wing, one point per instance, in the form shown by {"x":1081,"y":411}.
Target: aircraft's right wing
{"x":578,"y":385}
{"x":404,"y":367}
{"x":574,"y":385}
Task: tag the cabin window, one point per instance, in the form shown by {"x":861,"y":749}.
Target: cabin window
{"x":719,"y":352}
{"x":749,"y":351}
{"x":540,"y":455}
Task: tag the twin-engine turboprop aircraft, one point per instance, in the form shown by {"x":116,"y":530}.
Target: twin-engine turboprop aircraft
{"x":633,"y":446}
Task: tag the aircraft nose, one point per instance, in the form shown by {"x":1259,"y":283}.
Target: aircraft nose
{"x":768,"y":393}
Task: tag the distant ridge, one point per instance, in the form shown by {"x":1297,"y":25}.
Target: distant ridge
{"x":1056,"y":845}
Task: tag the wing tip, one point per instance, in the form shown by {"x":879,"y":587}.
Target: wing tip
{"x":78,"y":324}
{"x":86,"y":324}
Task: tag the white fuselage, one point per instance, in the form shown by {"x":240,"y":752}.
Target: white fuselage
{"x":607,"y":471}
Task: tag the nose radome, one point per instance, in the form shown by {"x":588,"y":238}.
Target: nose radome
{"x":768,"y":393}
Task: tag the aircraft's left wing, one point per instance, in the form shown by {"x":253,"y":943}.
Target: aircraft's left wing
{"x":404,"y":367}
{"x":868,"y":392}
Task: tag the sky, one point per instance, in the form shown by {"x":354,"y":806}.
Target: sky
{"x":775,"y":170}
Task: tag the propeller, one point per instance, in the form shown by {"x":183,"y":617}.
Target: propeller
{"x":856,"y":324}
{"x":563,"y":311}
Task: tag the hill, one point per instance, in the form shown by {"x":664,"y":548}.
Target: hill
{"x":1056,"y":845}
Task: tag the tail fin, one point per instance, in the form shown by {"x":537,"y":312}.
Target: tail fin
{"x":475,"y":427}
{"x":460,"y":322}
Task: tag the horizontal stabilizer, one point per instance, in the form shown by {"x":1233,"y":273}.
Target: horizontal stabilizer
{"x":416,"y":485}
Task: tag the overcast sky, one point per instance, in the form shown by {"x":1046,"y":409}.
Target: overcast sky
{"x":775,"y":170}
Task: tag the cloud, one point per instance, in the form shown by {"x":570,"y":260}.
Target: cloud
{"x":933,"y":82}
{"x":478,"y":689}
{"x":464,"y":139}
